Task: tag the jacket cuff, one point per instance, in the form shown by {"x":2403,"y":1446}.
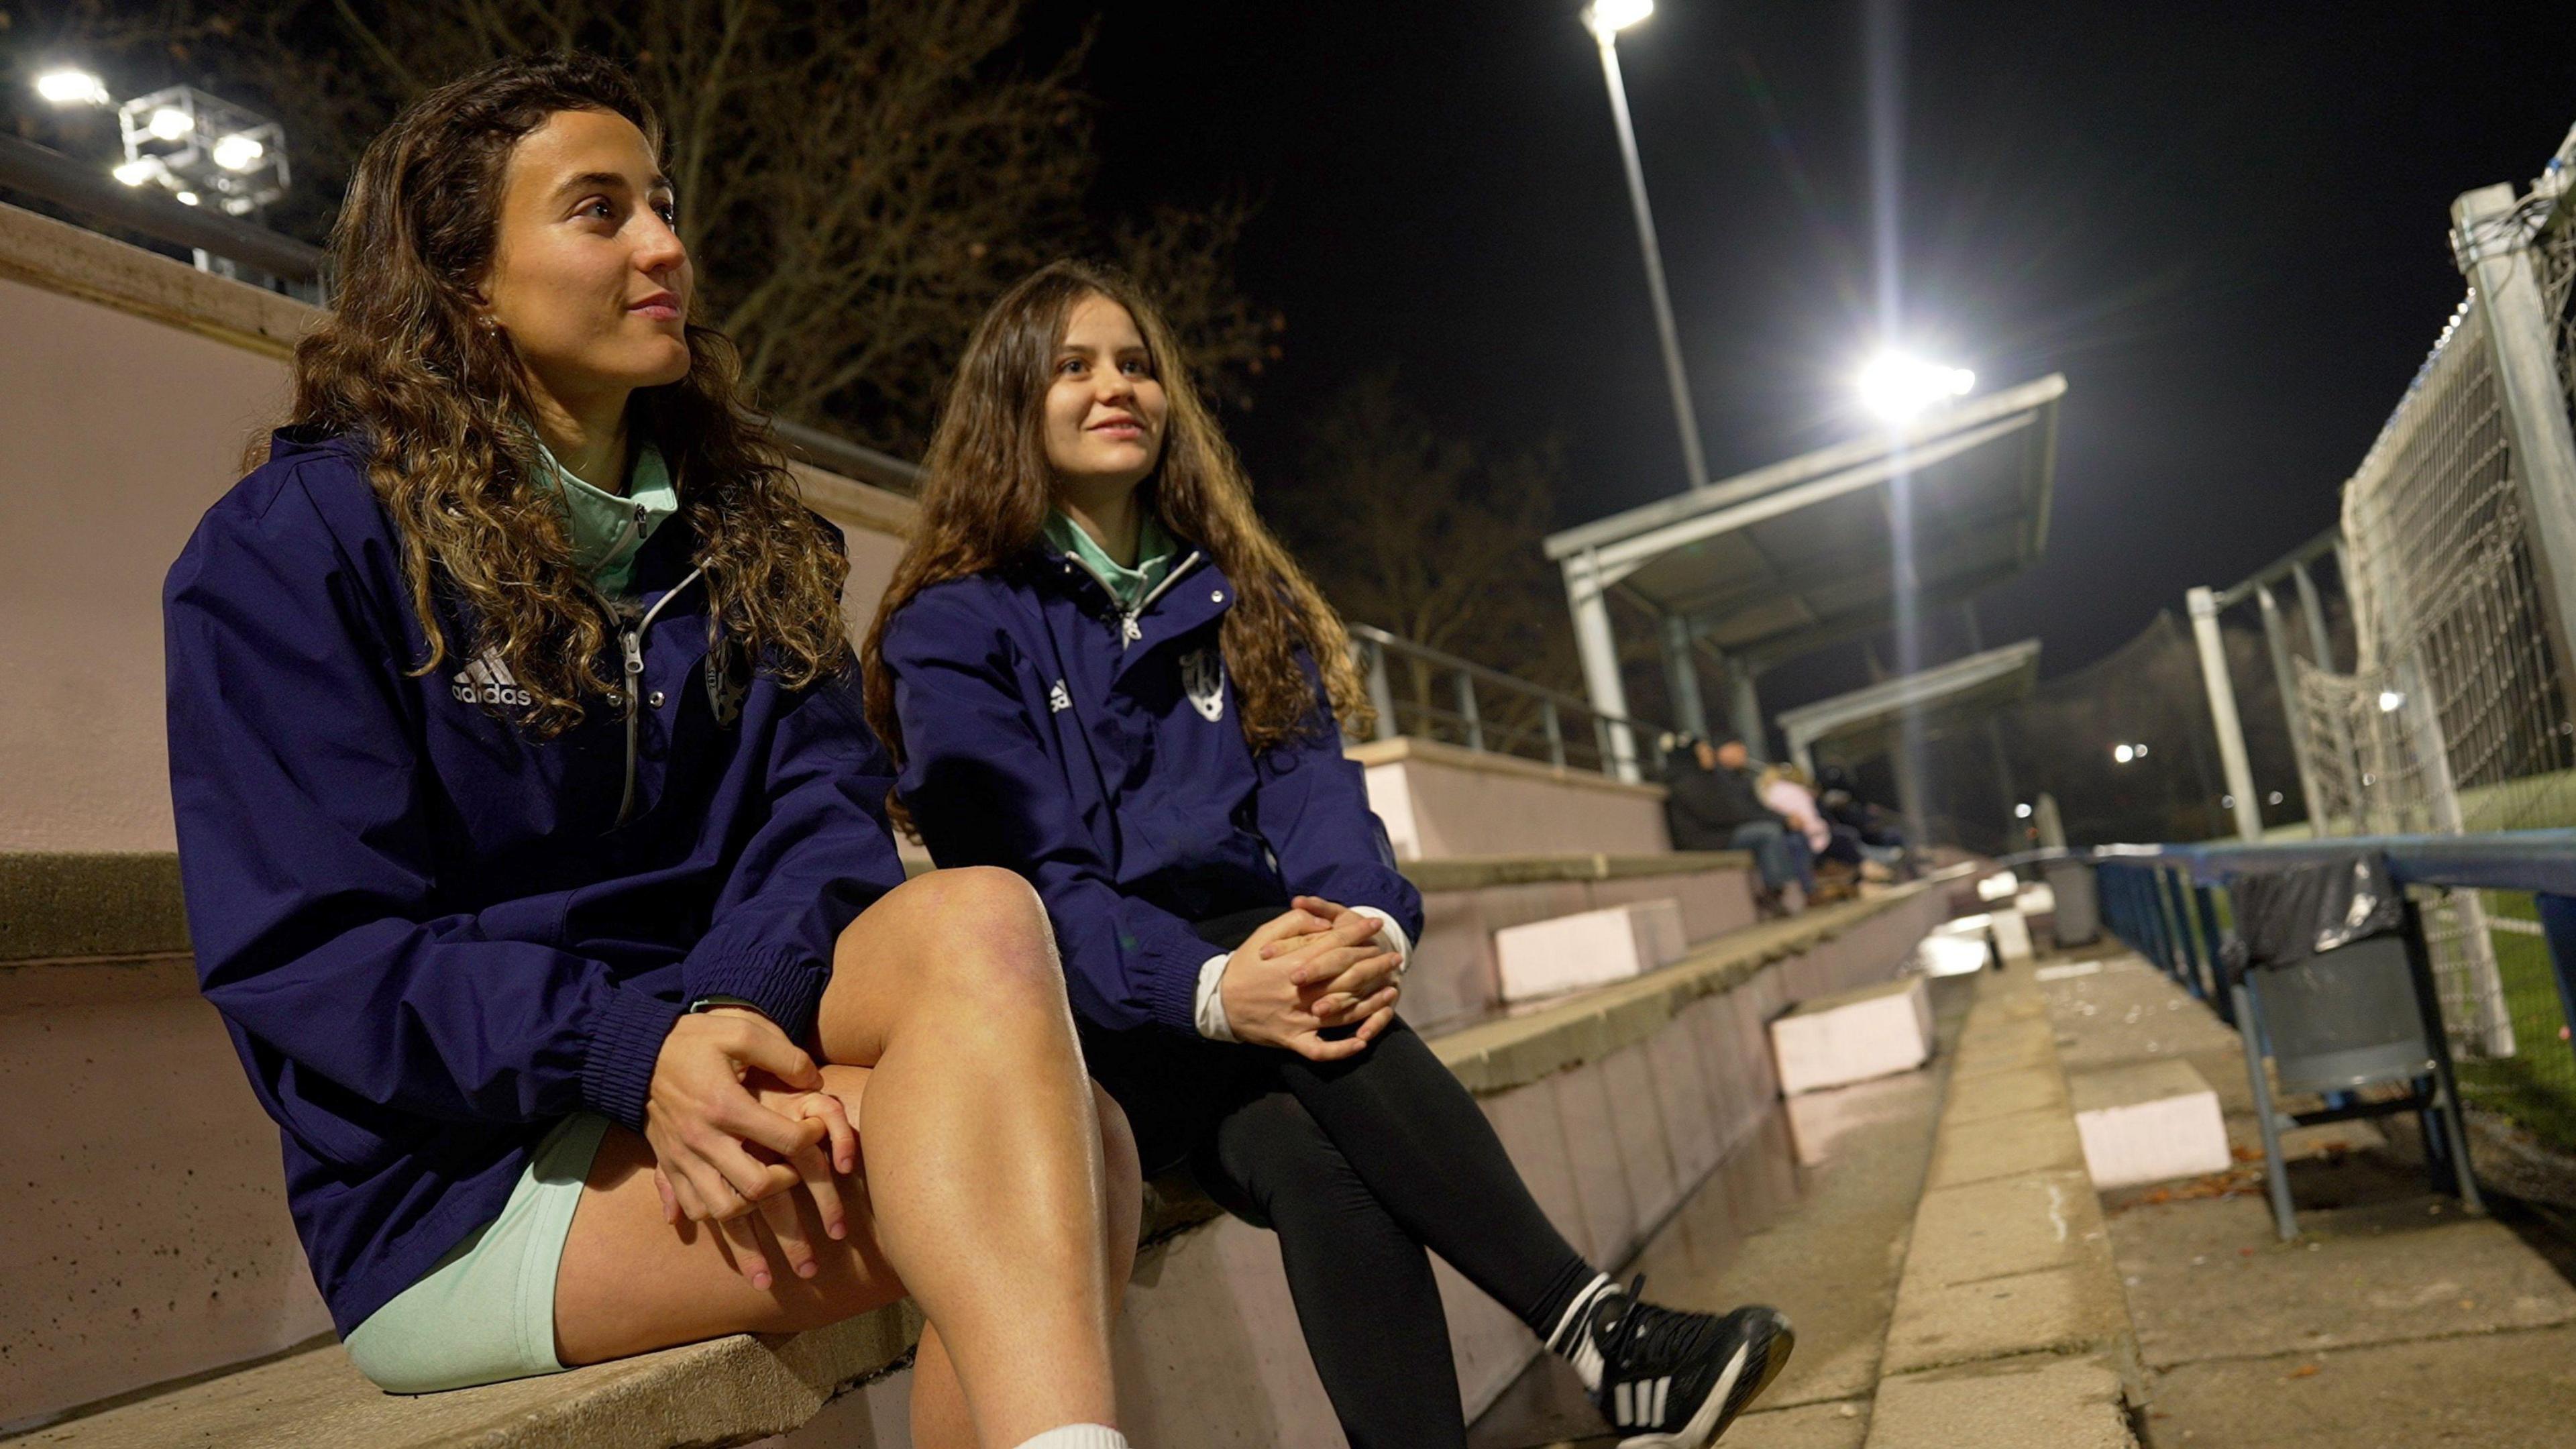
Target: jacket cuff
{"x":1209,"y":1012}
{"x":780,"y":982}
{"x":1172,"y":982}
{"x":1390,"y":934}
{"x":617,"y":1076}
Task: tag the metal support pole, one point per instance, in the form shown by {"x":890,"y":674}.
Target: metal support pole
{"x":2276,"y":639}
{"x":1473,"y":722}
{"x":1681,"y":675}
{"x":1381,"y":693}
{"x":2494,"y":1027}
{"x":1600,"y":652}
{"x":1555,"y":732}
{"x":2494,"y":245}
{"x":2321,"y":653}
{"x":2311,"y":608}
{"x":2222,"y":712}
{"x":1683,"y":418}
{"x":1744,"y":709}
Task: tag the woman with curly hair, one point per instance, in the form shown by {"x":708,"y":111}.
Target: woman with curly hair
{"x":1098,"y":669}
{"x":534,"y":844}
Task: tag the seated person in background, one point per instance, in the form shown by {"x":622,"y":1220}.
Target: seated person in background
{"x":1871,"y":833}
{"x":1789,"y":794}
{"x":1713,"y":806}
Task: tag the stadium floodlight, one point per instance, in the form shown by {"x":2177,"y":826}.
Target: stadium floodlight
{"x":238,"y":152}
{"x":2390,"y":701}
{"x":2022,"y":811}
{"x":203,"y":150}
{"x":2123,"y":754}
{"x":72,"y":86}
{"x":1899,"y":388}
{"x":1609,"y":17}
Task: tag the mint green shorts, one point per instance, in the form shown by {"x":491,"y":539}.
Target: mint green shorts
{"x":485,"y":1311}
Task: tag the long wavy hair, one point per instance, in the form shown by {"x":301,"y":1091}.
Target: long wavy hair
{"x":442,"y":406}
{"x":987,"y":488}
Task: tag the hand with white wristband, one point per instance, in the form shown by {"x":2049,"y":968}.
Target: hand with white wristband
{"x":1314,"y":968}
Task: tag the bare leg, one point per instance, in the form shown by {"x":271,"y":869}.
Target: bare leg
{"x":983,"y":1152}
{"x":939,"y":1416}
{"x":982,"y":1159}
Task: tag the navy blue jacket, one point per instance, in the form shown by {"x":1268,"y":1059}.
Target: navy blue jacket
{"x":429,"y":934}
{"x":1101,"y":755}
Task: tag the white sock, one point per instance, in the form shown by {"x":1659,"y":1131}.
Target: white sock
{"x":1078,"y":1436}
{"x":1577,"y":1348}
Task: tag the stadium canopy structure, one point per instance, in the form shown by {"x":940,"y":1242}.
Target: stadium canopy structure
{"x":1802,"y":554}
{"x":1865,"y":724}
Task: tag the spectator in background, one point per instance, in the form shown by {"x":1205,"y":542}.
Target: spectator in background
{"x":1713,"y":806}
{"x":1870,"y":831}
{"x":1788,"y":793}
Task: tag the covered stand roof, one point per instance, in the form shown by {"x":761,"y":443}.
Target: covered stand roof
{"x":1771,"y":564}
{"x":1863,"y":724}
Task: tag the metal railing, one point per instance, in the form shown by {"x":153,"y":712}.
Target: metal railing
{"x":1458,"y":701}
{"x":2171,"y":903}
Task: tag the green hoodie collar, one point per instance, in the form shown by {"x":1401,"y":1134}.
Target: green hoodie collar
{"x":1156,"y":552}
{"x":608,"y":528}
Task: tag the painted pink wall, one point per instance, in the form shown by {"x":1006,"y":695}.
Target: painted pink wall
{"x":120,"y":432}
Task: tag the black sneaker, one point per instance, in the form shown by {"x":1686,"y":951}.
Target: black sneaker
{"x":1674,"y":1380}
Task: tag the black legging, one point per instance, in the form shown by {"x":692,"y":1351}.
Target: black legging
{"x":1358,"y":1166}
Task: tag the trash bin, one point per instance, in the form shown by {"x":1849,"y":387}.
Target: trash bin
{"x":2078,"y":920}
{"x":2330,"y":979}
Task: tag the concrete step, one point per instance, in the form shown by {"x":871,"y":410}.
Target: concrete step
{"x":1441,"y":800}
{"x":1852,"y":1036}
{"x":1612,"y":1101}
{"x":1587,"y":949}
{"x":2148,"y":1123}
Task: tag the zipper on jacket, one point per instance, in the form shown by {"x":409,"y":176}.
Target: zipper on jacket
{"x":1129,"y":629}
{"x":630,"y":642}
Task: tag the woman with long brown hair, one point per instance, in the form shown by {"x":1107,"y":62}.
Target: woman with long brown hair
{"x":1098,"y":669}
{"x":534,"y":845}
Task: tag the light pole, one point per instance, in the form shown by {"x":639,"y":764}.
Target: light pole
{"x":1606,"y":18}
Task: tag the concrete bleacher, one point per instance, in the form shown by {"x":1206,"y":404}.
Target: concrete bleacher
{"x":177,"y":1284}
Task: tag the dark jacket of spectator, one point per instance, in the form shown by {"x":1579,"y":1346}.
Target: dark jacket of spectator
{"x":1705,"y":806}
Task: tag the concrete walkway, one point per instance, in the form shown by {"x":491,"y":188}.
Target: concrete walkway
{"x":2393,"y":1321}
{"x":1813,"y":1214}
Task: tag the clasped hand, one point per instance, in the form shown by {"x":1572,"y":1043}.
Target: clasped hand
{"x":740,"y":1119}
{"x":1315,"y":967}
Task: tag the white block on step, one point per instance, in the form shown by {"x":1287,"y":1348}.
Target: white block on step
{"x":2012,"y":936}
{"x":1853,"y":1036}
{"x":1588,"y":948}
{"x":2148,"y":1124}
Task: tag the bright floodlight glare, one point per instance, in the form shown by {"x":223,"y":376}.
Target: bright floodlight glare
{"x":1899,"y":388}
{"x":2390,"y":701}
{"x":2021,"y":812}
{"x":136,"y":172}
{"x":187,"y":198}
{"x":170,"y":123}
{"x":238,"y":152}
{"x":1609,"y":17}
{"x":2123,"y":753}
{"x":2141,"y":749}
{"x":72,"y":87}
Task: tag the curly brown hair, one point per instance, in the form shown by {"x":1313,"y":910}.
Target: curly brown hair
{"x":987,"y":488}
{"x":443,"y":406}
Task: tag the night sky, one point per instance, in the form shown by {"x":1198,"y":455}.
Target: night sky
{"x":2225,"y":224}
